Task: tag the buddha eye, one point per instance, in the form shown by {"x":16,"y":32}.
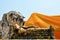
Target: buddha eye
{"x":11,"y":15}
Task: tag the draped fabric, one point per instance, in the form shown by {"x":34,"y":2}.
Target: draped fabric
{"x":43,"y":21}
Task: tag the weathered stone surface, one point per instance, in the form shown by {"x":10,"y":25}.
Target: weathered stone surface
{"x":34,"y":33}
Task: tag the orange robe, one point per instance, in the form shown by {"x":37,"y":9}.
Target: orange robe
{"x":43,"y":21}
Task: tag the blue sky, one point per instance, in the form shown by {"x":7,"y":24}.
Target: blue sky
{"x":26,"y":7}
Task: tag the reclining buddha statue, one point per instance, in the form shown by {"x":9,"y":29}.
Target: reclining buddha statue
{"x":37,"y":26}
